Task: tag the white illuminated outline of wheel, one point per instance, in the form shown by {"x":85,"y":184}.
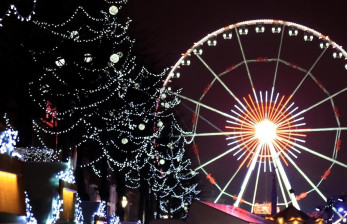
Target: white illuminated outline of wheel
{"x":265,"y":130}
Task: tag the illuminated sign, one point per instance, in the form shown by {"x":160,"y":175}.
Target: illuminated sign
{"x":51,"y":115}
{"x":100,"y":222}
{"x":264,"y":209}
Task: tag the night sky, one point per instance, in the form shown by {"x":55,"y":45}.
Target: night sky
{"x":169,"y":28}
{"x":165,"y":29}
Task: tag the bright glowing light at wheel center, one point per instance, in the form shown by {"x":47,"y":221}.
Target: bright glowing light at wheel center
{"x":265,"y":131}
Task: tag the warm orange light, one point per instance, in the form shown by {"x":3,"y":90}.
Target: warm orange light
{"x":280,"y":220}
{"x":68,"y":205}
{"x":264,"y":208}
{"x":10,"y":198}
{"x":100,"y":222}
{"x":265,"y":124}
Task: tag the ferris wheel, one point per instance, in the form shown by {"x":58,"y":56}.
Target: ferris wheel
{"x":263,"y":105}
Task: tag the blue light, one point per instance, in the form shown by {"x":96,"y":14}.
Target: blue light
{"x":340,"y":209}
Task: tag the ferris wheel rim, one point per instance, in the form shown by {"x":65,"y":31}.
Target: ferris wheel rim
{"x":249,"y":23}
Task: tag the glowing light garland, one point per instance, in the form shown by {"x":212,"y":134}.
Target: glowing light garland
{"x":29,"y":215}
{"x":8,"y":140}
{"x":174,"y":182}
{"x":78,"y":211}
{"x":56,"y":210}
{"x":13,"y":10}
{"x":41,"y":155}
{"x":67,"y":175}
{"x":101,"y":212}
{"x":114,"y":220}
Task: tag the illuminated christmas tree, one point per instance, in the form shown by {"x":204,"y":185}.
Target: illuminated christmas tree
{"x":95,"y":99}
{"x":85,"y":89}
{"x":173,"y":181}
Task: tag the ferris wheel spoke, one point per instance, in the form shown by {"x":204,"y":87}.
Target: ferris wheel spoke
{"x":223,"y":154}
{"x":217,"y":133}
{"x":244,"y":57}
{"x":309,"y":71}
{"x":234,"y":196}
{"x":278,"y":57}
{"x":248,"y":175}
{"x":313,"y":152}
{"x":256,"y":186}
{"x":312,"y":129}
{"x":215,"y":184}
{"x":197,"y":112}
{"x":219,"y":80}
{"x":282,"y":188}
{"x":315,"y":105}
{"x":227,"y":185}
{"x":284,"y":177}
{"x":202,"y":117}
{"x":209,"y":108}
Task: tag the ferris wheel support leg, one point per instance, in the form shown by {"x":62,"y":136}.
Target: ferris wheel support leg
{"x":281,"y":187}
{"x":283,"y":174}
{"x":256,"y":187}
{"x":248,"y":175}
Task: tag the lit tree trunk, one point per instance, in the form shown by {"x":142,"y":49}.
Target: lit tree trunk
{"x":80,"y":176}
{"x":104,"y":188}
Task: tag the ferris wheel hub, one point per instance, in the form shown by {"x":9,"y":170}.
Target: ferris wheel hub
{"x":265,"y":131}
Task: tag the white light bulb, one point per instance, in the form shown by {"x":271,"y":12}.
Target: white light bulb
{"x":88,"y":57}
{"x":142,"y":127}
{"x":120,"y":54}
{"x":163,"y":96}
{"x":160,"y":124}
{"x":60,"y":62}
{"x":124,"y":141}
{"x":113,"y":10}
{"x":114,"y":58}
{"x":74,"y":34}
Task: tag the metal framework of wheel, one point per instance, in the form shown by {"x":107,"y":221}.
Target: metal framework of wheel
{"x":237,"y":88}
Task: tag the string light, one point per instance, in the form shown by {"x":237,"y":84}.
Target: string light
{"x":13,"y":10}
{"x":101,"y":212}
{"x":113,"y":10}
{"x":41,"y":155}
{"x":114,"y":219}
{"x":67,"y":175}
{"x":78,"y":217}
{"x":8,"y":140}
{"x":55,"y":211}
{"x":29,"y":215}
